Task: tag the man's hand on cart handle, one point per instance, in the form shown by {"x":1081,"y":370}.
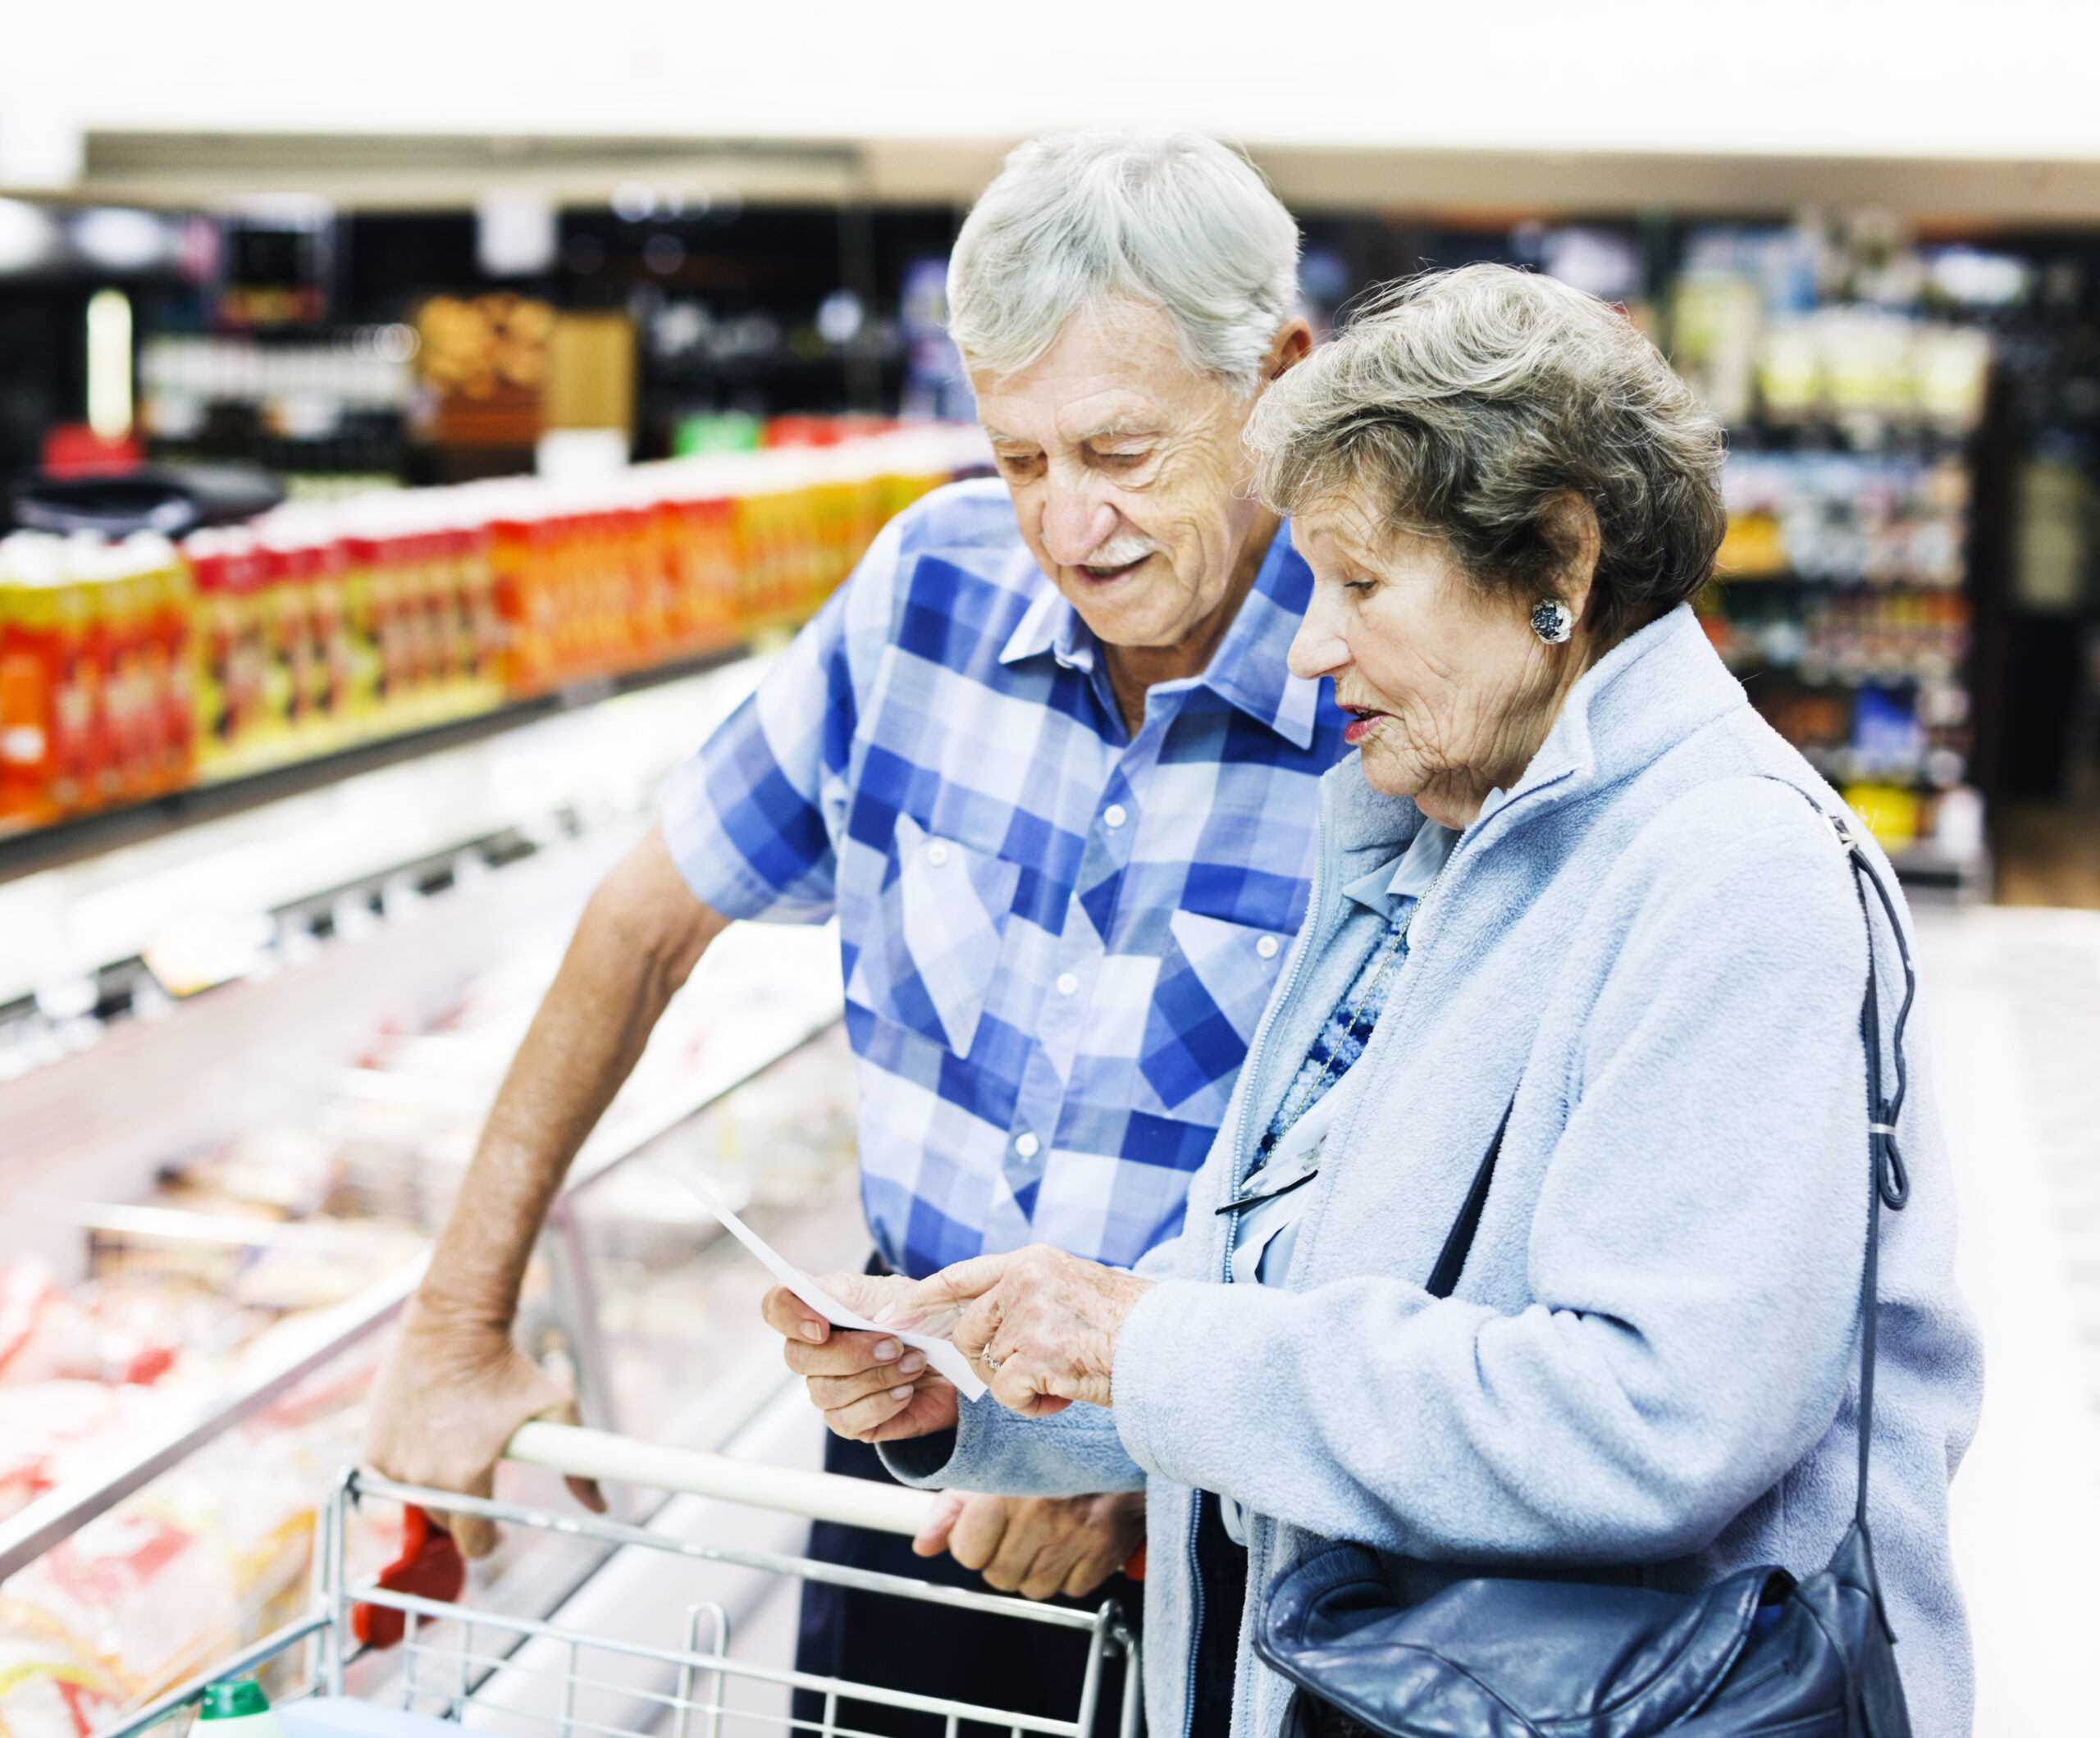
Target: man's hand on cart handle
{"x":869,"y":1387}
{"x":1038,"y":1546}
{"x":445,"y":1403}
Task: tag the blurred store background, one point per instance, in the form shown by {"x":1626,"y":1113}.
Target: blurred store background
{"x":417,"y":429}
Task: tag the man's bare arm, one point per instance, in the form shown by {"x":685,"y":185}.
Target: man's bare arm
{"x":454,"y":1386}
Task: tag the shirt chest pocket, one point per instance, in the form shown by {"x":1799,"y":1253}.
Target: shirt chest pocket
{"x":940,"y":924}
{"x":1214,"y":982}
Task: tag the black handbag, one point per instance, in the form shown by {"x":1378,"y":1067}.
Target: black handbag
{"x":1755,"y":1654}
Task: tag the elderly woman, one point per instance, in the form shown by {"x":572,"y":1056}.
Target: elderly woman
{"x":1565,"y":902}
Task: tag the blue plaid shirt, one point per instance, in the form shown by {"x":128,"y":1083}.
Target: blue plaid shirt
{"x":1056,"y":939}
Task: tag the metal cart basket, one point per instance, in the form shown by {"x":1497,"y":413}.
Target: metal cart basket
{"x":553,"y":1677}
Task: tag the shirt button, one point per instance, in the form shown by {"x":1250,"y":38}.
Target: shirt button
{"x":937,"y":854}
{"x":1066,"y":983}
{"x":1115,"y":815}
{"x":1267,"y":947}
{"x":1028,"y":1145}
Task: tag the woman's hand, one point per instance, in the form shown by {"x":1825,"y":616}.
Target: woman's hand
{"x":869,"y":1387}
{"x":1039,"y":1323}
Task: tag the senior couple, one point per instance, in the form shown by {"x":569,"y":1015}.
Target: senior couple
{"x":1214,"y":888}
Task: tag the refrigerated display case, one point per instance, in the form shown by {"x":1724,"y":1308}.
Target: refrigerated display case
{"x":216,"y":1203}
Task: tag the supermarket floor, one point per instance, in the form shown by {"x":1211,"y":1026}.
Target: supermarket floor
{"x":2048,"y":853}
{"x":2013,"y":996}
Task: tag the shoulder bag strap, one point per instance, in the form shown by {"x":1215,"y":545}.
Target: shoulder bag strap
{"x":1892,"y":1182}
{"x":1444,"y":1278}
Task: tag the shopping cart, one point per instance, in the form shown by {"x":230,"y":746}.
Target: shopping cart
{"x":557,"y":1676}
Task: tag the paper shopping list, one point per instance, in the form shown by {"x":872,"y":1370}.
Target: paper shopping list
{"x":940,"y":1353}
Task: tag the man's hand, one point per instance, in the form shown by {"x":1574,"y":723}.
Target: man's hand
{"x":869,"y":1387}
{"x":1037,"y":1546}
{"x":443,"y":1407}
{"x":455,"y":1387}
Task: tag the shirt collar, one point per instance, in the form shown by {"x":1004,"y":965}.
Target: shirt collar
{"x":1248,"y":668}
{"x":1408,"y":875}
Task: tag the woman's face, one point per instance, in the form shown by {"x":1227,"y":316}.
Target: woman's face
{"x":1452,"y":691}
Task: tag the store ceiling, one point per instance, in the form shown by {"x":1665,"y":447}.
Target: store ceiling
{"x":432,"y":171}
{"x":1933,"y":107}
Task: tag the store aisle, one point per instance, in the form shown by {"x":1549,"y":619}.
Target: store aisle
{"x":2013,"y":996}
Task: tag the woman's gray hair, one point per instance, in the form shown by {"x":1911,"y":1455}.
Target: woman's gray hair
{"x":1465,"y":405}
{"x":1077,"y":219}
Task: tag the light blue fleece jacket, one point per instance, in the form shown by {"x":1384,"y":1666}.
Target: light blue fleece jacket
{"x":1648,"y":1360}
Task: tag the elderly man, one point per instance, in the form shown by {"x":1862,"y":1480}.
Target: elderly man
{"x":1042,"y":757}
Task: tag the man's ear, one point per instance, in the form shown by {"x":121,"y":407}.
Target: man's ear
{"x":1291,"y":345}
{"x":1570,"y":527}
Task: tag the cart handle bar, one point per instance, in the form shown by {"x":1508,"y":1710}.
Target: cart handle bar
{"x":579,"y":1453}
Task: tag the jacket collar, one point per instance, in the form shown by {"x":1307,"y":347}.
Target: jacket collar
{"x":1248,"y":668}
{"x":1642,"y":698}
{"x":1408,"y":876}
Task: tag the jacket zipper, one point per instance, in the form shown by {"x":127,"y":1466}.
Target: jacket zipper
{"x":1313,"y":915}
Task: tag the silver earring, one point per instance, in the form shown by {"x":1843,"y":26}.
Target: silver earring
{"x":1553,"y":621}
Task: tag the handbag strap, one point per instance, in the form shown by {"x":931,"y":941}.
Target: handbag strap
{"x":1459,"y":1241}
{"x":1891,"y":1181}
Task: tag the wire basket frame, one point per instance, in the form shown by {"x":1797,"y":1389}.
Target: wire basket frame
{"x":540,"y":1677}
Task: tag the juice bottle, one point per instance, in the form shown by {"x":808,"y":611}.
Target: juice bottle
{"x":28,"y":679}
{"x":227,"y":655}
{"x":174,"y":611}
{"x":333,"y":672}
{"x":274,"y":588}
{"x":120,"y":579}
{"x":211,"y":651}
{"x":361,"y":626}
{"x":84,"y":775}
{"x":474,"y":547}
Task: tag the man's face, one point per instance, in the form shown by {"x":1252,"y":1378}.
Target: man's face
{"x":1127,"y":474}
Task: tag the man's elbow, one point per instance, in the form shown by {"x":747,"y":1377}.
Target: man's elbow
{"x":643,"y":913}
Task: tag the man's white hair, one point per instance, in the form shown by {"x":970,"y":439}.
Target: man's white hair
{"x":1077,"y":219}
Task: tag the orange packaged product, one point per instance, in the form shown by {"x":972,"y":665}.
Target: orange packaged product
{"x":226,"y":651}
{"x":397,"y":623}
{"x":28,"y":680}
{"x":332,"y":674}
{"x":473,"y":551}
{"x":705,"y":565}
{"x":122,"y":589}
{"x":82,"y":775}
{"x":152,"y":573}
{"x":139,"y":667}
{"x":513,"y":591}
{"x":174,"y":671}
{"x":365,"y":601}
{"x":427,"y":607}
{"x":452,"y":644}
{"x":280,"y":609}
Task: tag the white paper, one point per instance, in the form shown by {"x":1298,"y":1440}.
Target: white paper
{"x":941,"y":1354}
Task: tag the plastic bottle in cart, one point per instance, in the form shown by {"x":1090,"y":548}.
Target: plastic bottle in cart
{"x":238,"y":1710}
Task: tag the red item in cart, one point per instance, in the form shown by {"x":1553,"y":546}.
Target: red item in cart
{"x":430,"y":1566}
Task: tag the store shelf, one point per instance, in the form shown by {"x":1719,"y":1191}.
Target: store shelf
{"x":86,"y":836}
{"x":532,"y":777}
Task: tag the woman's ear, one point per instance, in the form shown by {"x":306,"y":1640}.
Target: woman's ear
{"x":1571,"y":528}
